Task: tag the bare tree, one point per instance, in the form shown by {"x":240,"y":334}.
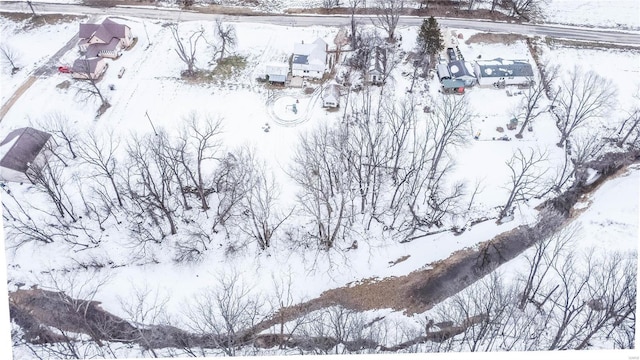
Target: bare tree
{"x":10,"y":56}
{"x":388,"y":15}
{"x":186,"y":49}
{"x":225,"y":312}
{"x":59,"y":125}
{"x":232,"y":182}
{"x":330,"y":4}
{"x":525,"y":9}
{"x":582,"y":149}
{"x":226,"y":34}
{"x":630,"y":125}
{"x":525,"y":177}
{"x":450,"y":120}
{"x":197,"y":146}
{"x":353,"y":8}
{"x":548,"y":251}
{"x":319,"y":167}
{"x":101,"y":154}
{"x":259,"y":206}
{"x":584,"y":96}
{"x":89,"y":89}
{"x":150,"y":181}
{"x":50,"y":178}
{"x":530,"y":107}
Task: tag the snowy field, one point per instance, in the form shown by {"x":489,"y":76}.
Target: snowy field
{"x":618,"y":14}
{"x":49,"y":38}
{"x":151,"y":91}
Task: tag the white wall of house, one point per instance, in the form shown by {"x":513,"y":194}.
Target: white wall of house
{"x":128,"y":37}
{"x":307,"y":70}
{"x":11,"y":175}
{"x":7,"y":174}
{"x":508,"y":80}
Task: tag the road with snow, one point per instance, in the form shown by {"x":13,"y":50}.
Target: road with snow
{"x":554,"y":31}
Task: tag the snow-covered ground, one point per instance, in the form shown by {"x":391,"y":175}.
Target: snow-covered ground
{"x":20,"y":37}
{"x":151,"y":87}
{"x":618,"y":14}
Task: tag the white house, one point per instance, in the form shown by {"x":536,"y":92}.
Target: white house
{"x":22,"y":150}
{"x":277,"y":72}
{"x":331,"y":96}
{"x":500,"y":72}
{"x":377,"y":66}
{"x":310,"y":60}
{"x":104,"y":40}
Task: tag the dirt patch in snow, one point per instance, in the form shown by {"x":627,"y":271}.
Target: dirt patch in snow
{"x":493,"y":38}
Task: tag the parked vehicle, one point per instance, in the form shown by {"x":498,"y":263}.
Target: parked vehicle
{"x":451,"y":53}
{"x":64,"y":69}
{"x":121,"y":72}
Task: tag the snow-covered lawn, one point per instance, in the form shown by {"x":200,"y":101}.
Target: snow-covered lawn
{"x":619,"y":14}
{"x":22,"y":38}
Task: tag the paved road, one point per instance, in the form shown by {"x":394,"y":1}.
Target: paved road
{"x":566,"y":32}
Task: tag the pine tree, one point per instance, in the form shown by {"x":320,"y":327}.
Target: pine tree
{"x":430,"y":40}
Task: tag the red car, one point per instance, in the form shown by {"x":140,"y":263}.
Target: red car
{"x":64,"y":69}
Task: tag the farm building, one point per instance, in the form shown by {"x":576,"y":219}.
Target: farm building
{"x":20,"y":151}
{"x":277,"y":72}
{"x":331,"y":96}
{"x":104,"y":40}
{"x":310,"y":60}
{"x":461,"y":70}
{"x":501,"y":72}
{"x":443,"y":72}
{"x":91,"y":68}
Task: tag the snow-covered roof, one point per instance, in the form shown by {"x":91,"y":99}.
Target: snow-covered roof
{"x":378,"y":59}
{"x":504,"y":68}
{"x":331,"y":92}
{"x":21,"y":147}
{"x":312,"y":54}
{"x":459,"y":69}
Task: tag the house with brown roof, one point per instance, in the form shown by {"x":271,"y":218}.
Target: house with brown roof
{"x":21,"y":151}
{"x":104,"y":40}
{"x":91,"y":68}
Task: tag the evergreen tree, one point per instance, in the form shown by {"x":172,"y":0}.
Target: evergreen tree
{"x":430,"y":40}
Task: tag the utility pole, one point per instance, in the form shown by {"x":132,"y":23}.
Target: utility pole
{"x":145,"y":31}
{"x":31,"y":6}
{"x":150,"y":122}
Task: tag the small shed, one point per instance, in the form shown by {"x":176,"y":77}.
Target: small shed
{"x":453,"y":86}
{"x":331,"y":96}
{"x":277,"y":72}
{"x":443,"y":72}
{"x":20,"y":151}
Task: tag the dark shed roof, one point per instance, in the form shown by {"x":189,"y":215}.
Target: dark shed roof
{"x":26,"y":147}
